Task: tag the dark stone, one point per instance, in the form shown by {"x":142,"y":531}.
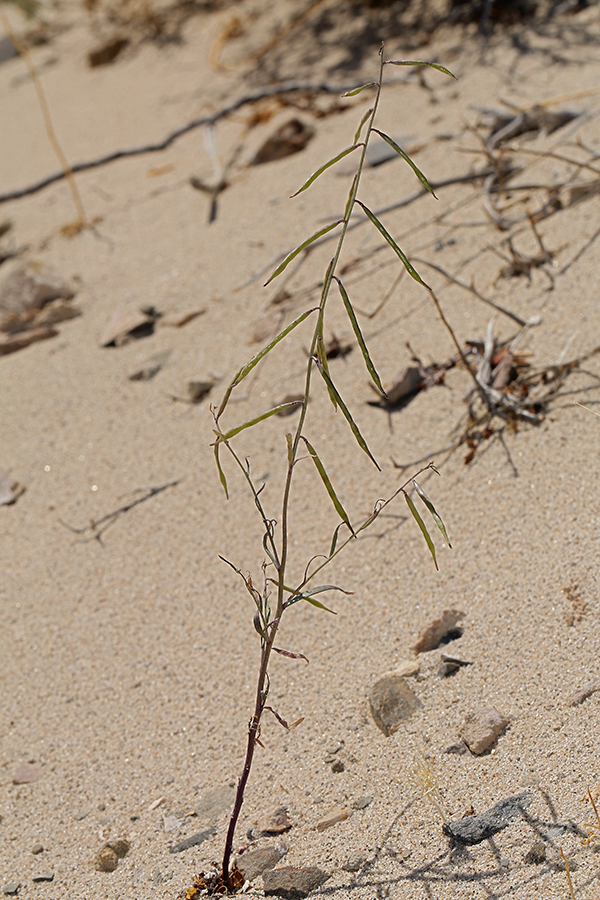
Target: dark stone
{"x":192,"y":840}
{"x":292,"y":882}
{"x":337,"y":766}
{"x":256,"y":862}
{"x":475,"y":829}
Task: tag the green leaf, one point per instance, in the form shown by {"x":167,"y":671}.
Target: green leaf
{"x":322,"y":168}
{"x":267,"y":415}
{"x":361,"y":341}
{"x":322,"y":357}
{"x":300,"y":248}
{"x":351,"y":198}
{"x":309,"y":596}
{"x":354,"y":427}
{"x":421,"y":525}
{"x":357,"y":90}
{"x":362,"y":122}
{"x":419,"y":62}
{"x":290,"y":449}
{"x":436,"y":516}
{"x":328,"y":485}
{"x":334,"y":539}
{"x":403,"y":258}
{"x":247,"y":368}
{"x":320,"y":605}
{"x":406,"y":159}
{"x":222,"y":478}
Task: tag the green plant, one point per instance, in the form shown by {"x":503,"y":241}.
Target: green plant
{"x":275,"y":596}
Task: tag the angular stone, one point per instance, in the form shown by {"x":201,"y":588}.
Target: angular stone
{"x":475,"y":829}
{"x":362,"y":802}
{"x":335,"y":815}
{"x":26,"y":773}
{"x":481,"y":728}
{"x":292,"y":882}
{"x":391,"y":702}
{"x":11,"y":888}
{"x":106,"y":859}
{"x":256,"y":862}
{"x":408,"y":668}
{"x":125,"y":324}
{"x":121,"y":847}
{"x":27,"y":288}
{"x":47,"y":875}
{"x":275,"y":823}
{"x":432,"y":635}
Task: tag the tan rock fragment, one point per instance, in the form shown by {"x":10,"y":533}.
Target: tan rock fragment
{"x":431,"y":636}
{"x":481,"y":728}
{"x":335,"y":815}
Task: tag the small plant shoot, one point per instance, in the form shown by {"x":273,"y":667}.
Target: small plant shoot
{"x":274,"y":596}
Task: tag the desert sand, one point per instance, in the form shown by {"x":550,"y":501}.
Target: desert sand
{"x":127,"y":654}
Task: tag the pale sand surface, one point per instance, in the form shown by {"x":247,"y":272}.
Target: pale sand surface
{"x":127,"y":666}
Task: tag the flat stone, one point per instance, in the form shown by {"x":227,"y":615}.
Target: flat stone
{"x":126,"y":324}
{"x":171,"y":822}
{"x":475,"y":829}
{"x":26,"y":773}
{"x":256,"y":862}
{"x":192,"y":840}
{"x":362,"y":802}
{"x":215,"y":802}
{"x":481,"y":728}
{"x":27,"y":288}
{"x":47,"y":875}
{"x":275,"y":823}
{"x":12,"y":887}
{"x":37,"y":848}
{"x":391,"y":702}
{"x":335,"y":815}
{"x":292,"y":882}
{"x":433,"y":634}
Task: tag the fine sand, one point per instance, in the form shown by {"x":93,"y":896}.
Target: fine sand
{"x":128,"y":658}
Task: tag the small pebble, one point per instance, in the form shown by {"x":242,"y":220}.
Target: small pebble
{"x":391,"y":702}
{"x":362,"y":802}
{"x":337,"y":766}
{"x":292,"y":882}
{"x":335,"y":815}
{"x":193,"y":840}
{"x":275,"y":823}
{"x":354,"y":862}
{"x":26,"y":773}
{"x":433,"y":634}
{"x":536,"y":853}
{"x":106,"y":860}
{"x":214,"y":803}
{"x":44,"y":876}
{"x":37,"y":848}
{"x":257,"y":862}
{"x":11,"y":888}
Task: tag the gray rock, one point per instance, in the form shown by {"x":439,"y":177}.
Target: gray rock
{"x":475,"y":829}
{"x":481,"y":728}
{"x":29,"y":287}
{"x":214,"y":802}
{"x":536,"y":853}
{"x":293,"y":883}
{"x":37,"y":848}
{"x":433,"y":634}
{"x":391,"y":702}
{"x":362,"y":802}
{"x":11,"y":888}
{"x":256,"y":862}
{"x":47,"y":875}
{"x":192,"y":840}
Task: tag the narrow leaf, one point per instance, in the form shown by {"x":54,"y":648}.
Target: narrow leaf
{"x":290,"y":449}
{"x":403,"y":258}
{"x":304,"y":595}
{"x":279,"y":718}
{"x":334,"y":539}
{"x":270,"y":412}
{"x":419,"y":62}
{"x":362,"y":122}
{"x":407,"y":159}
{"x":297,"y":722}
{"x":353,"y":426}
{"x":290,"y":655}
{"x":322,"y":357}
{"x":361,"y":341}
{"x":436,"y":516}
{"x":300,"y":248}
{"x":322,"y":168}
{"x":268,"y":551}
{"x":351,"y":198}
{"x":247,"y":368}
{"x":421,"y":525}
{"x":357,"y":90}
{"x":222,"y":478}
{"x":328,"y":485}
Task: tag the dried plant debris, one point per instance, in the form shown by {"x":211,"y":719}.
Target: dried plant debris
{"x":585,"y":692}
{"x":537,"y":120}
{"x":212,"y":882}
{"x":475,"y":829}
{"x":411,"y":380}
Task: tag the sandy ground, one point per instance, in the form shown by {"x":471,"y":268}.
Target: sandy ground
{"x":127,"y":665}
